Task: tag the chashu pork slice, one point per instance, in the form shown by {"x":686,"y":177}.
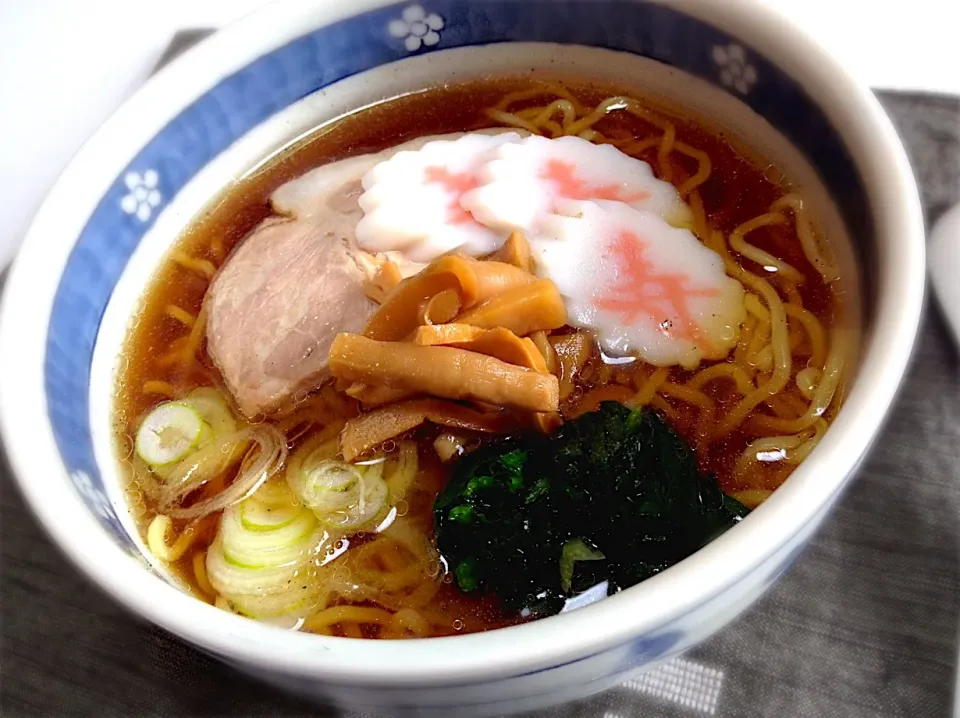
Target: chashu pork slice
{"x":275,"y":308}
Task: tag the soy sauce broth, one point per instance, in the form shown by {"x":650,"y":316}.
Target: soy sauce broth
{"x":737,"y":190}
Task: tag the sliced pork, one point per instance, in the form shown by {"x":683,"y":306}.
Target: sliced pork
{"x":275,"y":308}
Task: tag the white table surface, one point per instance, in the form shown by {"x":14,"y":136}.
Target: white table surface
{"x":68,"y":63}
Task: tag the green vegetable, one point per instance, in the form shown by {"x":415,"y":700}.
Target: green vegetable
{"x":170,"y":432}
{"x":613,"y":496}
{"x":210,"y":404}
{"x":263,"y":558}
{"x":172,"y":436}
{"x":573,"y":551}
{"x":342,"y":495}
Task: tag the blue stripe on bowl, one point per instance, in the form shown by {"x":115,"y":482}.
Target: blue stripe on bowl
{"x":275,"y":81}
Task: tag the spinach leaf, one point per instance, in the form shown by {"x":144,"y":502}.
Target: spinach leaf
{"x":520,"y":515}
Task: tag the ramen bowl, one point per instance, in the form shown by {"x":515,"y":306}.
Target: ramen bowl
{"x":253,"y":89}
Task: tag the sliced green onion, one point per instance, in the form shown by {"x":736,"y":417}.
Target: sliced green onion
{"x":210,"y":404}
{"x":258,"y":516}
{"x":370,"y":508}
{"x":331,"y":486}
{"x":170,"y":432}
{"x":342,"y":495}
{"x":264,"y":546}
{"x":573,"y":551}
{"x":265,"y":592}
{"x":268,"y":570}
{"x":229,"y":580}
{"x":200,"y":466}
{"x":275,"y":493}
{"x":298,"y":598}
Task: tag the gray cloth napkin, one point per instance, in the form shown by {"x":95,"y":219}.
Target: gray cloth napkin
{"x":865,"y":624}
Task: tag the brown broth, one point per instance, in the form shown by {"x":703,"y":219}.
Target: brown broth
{"x":737,"y":190}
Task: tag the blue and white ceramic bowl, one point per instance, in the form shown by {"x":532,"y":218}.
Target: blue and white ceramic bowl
{"x":254,"y":88}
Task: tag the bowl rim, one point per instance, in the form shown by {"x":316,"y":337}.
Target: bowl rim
{"x":469,"y":659}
